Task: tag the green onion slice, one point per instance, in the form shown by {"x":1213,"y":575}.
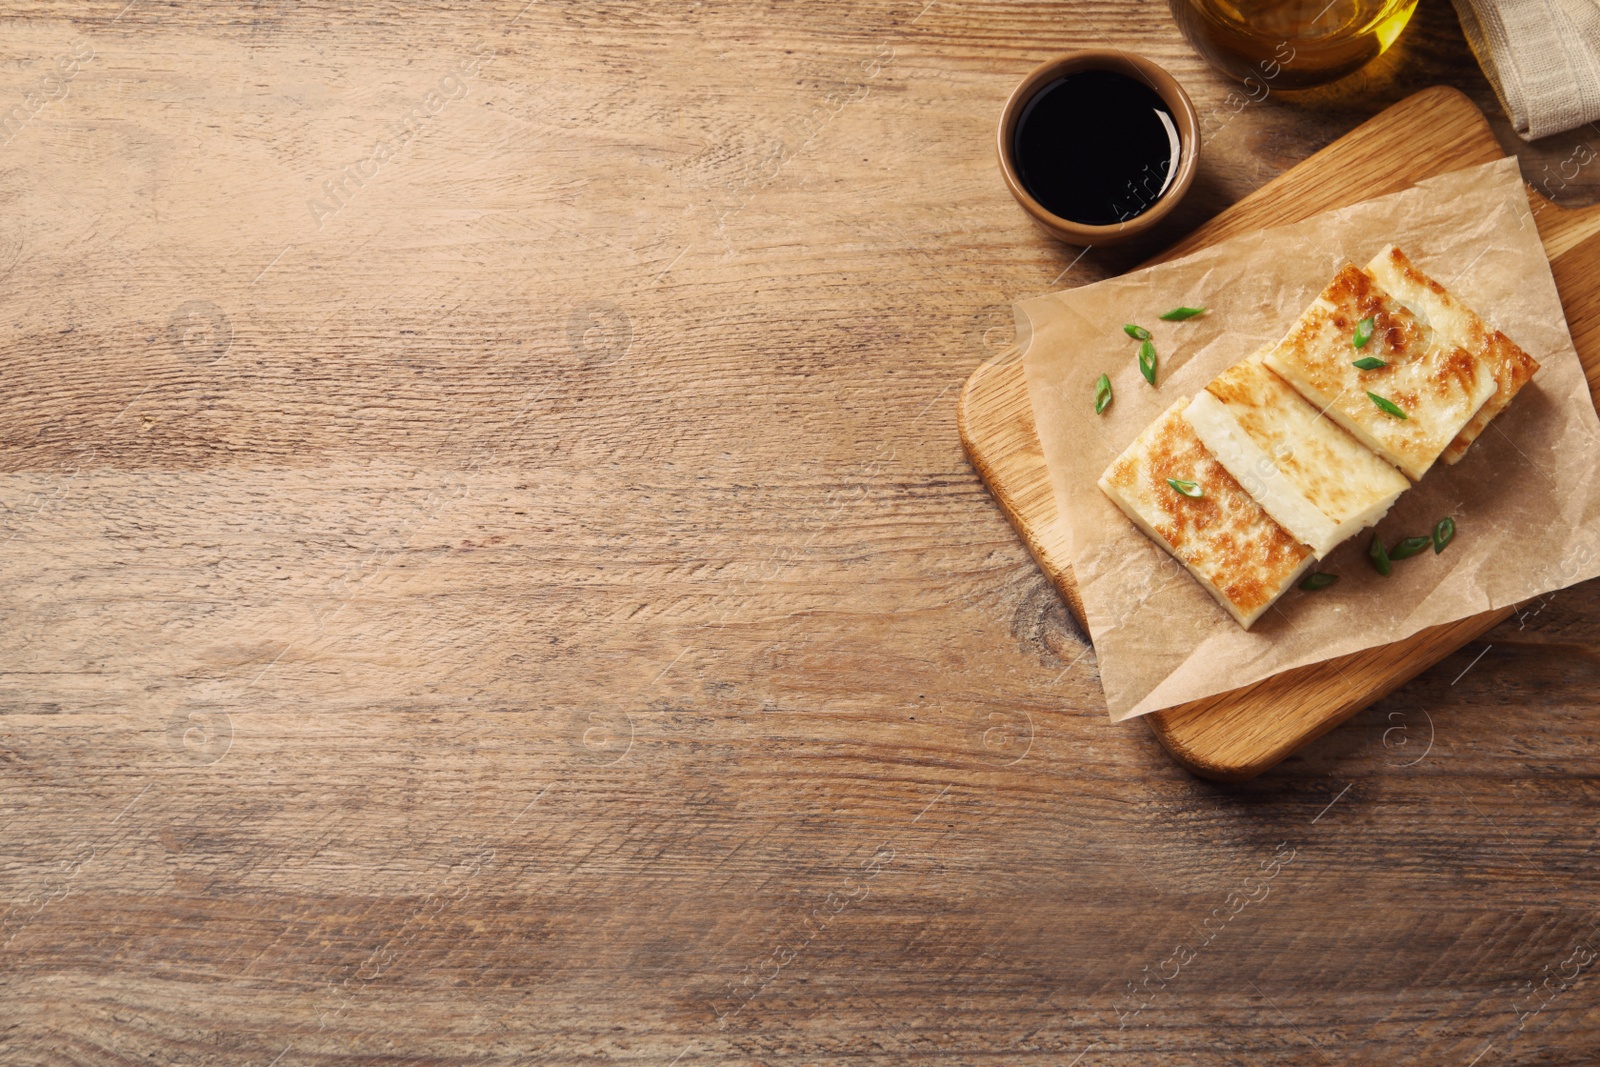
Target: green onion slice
{"x":1388,"y":406}
{"x":1443,"y":534}
{"x":1380,"y":558}
{"x":1138,"y":333}
{"x":1363,"y":332}
{"x":1186,"y":488}
{"x":1147,"y":362}
{"x":1102,"y":394}
{"x":1179,"y":314}
{"x":1409,"y":547}
{"x":1369,"y":363}
{"x":1318,"y":581}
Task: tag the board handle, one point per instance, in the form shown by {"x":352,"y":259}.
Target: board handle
{"x":1560,"y":228}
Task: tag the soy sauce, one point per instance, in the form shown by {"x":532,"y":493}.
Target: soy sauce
{"x":1096,"y":147}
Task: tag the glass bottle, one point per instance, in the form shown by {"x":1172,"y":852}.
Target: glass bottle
{"x":1291,"y":44}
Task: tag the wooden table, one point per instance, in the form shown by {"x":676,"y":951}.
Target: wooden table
{"x":490,"y":577}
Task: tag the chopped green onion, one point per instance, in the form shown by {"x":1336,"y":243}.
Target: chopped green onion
{"x":1318,"y":581}
{"x":1388,"y":406}
{"x":1186,"y":488}
{"x":1147,"y":362}
{"x":1102,"y":394}
{"x":1363,"y":332}
{"x":1138,"y":333}
{"x":1409,"y":547}
{"x":1179,"y":314}
{"x":1443,"y":534}
{"x":1369,"y":363}
{"x":1380,"y":558}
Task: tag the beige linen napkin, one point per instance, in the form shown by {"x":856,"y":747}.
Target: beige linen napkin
{"x":1543,"y":57}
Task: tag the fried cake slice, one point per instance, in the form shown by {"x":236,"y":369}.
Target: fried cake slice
{"x":1436,"y":386}
{"x":1316,"y":481}
{"x":1225,"y":539}
{"x":1460,"y":326}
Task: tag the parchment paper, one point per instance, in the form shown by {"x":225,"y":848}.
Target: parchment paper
{"x":1526,"y":498}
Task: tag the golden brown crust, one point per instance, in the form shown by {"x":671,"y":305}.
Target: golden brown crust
{"x":1438,"y":384}
{"x":1513,"y":368}
{"x":1224,"y":534}
{"x":1460,"y":326}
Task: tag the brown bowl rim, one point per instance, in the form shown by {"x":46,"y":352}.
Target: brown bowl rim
{"x":1165,"y":85}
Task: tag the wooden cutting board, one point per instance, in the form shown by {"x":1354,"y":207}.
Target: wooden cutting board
{"x":1238,"y":734}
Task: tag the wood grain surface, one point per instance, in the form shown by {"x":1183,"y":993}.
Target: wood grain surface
{"x":491,"y":577}
{"x":1237,"y":734}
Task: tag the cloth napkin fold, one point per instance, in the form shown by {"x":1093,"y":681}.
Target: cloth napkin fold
{"x":1543,"y":57}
